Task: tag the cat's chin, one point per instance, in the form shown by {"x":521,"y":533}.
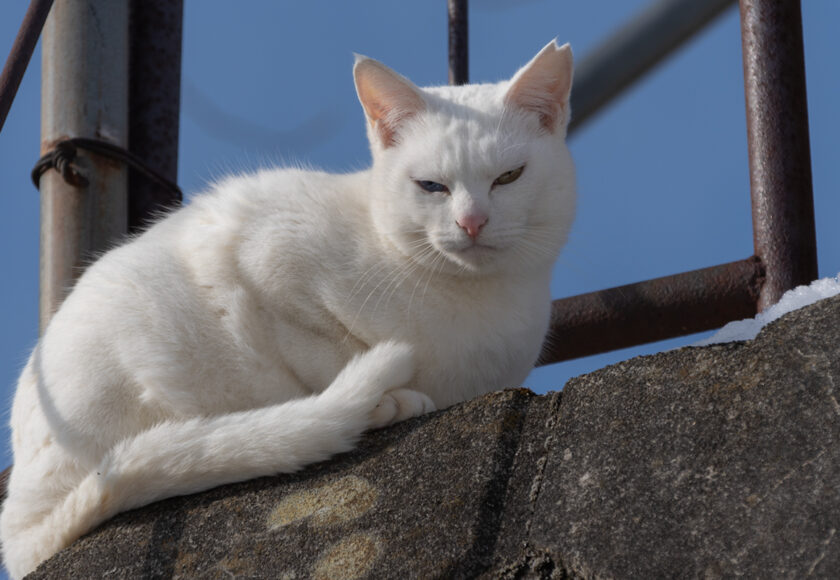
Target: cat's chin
{"x":476,"y":258}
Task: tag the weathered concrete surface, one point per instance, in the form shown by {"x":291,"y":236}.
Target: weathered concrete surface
{"x":704,"y":462}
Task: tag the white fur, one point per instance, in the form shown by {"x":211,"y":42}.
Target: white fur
{"x":269,"y":323}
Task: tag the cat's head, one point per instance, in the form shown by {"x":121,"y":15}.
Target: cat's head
{"x":473,"y":178}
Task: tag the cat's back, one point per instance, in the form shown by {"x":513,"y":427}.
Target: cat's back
{"x":273,"y":215}
{"x":275,"y":226}
{"x":289,"y":209}
{"x":292,"y":196}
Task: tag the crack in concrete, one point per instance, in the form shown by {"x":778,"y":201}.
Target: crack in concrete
{"x":478,"y":557}
{"x":539,"y":563}
{"x":786,"y":477}
{"x":826,"y":369}
{"x":542,"y":462}
{"x":819,"y":559}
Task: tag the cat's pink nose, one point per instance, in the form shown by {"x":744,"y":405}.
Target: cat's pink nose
{"x":472,"y":223}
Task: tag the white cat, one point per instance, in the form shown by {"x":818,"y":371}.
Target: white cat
{"x":275,"y":318}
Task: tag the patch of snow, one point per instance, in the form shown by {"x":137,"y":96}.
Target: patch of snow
{"x":792,"y":300}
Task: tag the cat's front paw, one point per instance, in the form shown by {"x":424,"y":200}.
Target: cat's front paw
{"x":398,"y":405}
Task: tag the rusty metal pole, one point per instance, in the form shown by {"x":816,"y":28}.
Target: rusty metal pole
{"x":652,"y":310}
{"x":22,"y":49}
{"x":154,"y":103}
{"x":779,"y":150}
{"x":84,"y":93}
{"x":459,"y":55}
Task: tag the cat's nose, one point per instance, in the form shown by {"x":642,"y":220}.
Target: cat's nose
{"x":472,"y":223}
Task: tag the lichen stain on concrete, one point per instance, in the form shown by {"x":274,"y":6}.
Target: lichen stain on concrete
{"x":184,"y":562}
{"x":350,"y":558}
{"x":342,"y":500}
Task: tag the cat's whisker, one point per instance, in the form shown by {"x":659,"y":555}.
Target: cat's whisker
{"x":361,"y":308}
{"x":416,"y":265}
{"x":379,"y":266}
{"x":390,"y":278}
{"x":373,"y":271}
{"x":439,"y":259}
{"x":533,"y":253}
{"x":411,"y":297}
{"x":396,"y":280}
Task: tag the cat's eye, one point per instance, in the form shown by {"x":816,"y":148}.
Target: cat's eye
{"x":509,"y":176}
{"x":432,"y":186}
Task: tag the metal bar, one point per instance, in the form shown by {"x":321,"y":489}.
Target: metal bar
{"x":636,"y":48}
{"x":652,"y":310}
{"x":154,"y":102}
{"x":459,"y":62}
{"x":22,"y":49}
{"x":780,"y":158}
{"x":4,"y":483}
{"x":84,"y":93}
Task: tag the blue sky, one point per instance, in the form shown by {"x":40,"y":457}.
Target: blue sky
{"x":663,"y":179}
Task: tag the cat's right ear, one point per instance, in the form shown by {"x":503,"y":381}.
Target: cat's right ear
{"x":543,"y":86}
{"x":387,"y":98}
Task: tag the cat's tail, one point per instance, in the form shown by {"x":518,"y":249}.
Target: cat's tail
{"x":178,"y":458}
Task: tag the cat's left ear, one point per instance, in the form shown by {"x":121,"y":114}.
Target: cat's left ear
{"x":543,"y":86}
{"x":389,"y":99}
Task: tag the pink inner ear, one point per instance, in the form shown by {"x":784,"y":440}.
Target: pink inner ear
{"x":387,"y":124}
{"x":543,"y":85}
{"x":536,"y":100}
{"x":388,"y":99}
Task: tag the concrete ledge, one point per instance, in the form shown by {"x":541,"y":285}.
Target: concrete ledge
{"x":713,"y":462}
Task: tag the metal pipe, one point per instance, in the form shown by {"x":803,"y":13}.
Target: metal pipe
{"x":779,"y":151}
{"x":84,"y":93}
{"x":4,"y":483}
{"x":154,"y":102}
{"x":22,"y":49}
{"x":634,"y":49}
{"x":459,"y":61}
{"x":652,"y":310}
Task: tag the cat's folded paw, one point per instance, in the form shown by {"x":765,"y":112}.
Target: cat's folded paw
{"x":398,"y":405}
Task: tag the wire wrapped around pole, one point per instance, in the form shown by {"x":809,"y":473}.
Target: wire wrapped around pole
{"x":63,"y":154}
